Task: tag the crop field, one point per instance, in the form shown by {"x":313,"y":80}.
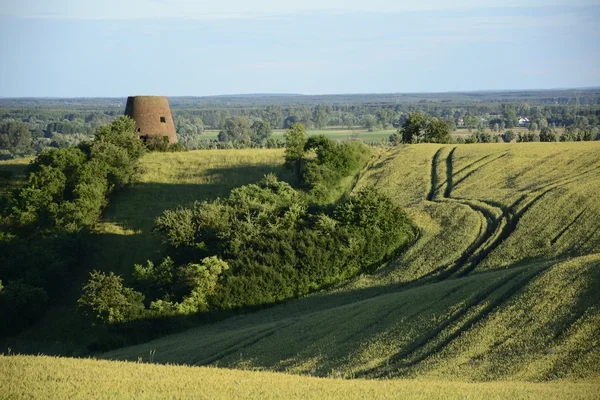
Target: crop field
{"x":25,"y":377}
{"x":501,"y":284}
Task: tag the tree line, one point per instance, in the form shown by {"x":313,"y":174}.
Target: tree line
{"x":25,"y":131}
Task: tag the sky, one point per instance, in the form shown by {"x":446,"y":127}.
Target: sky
{"x":117,"y":48}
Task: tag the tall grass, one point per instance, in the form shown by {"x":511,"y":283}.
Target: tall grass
{"x":61,"y":378}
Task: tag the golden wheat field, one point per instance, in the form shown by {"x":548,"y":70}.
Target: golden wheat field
{"x":26,"y":377}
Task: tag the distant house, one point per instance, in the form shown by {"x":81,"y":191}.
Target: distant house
{"x":523,"y":121}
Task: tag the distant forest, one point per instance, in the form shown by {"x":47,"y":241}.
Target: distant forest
{"x":27,"y":125}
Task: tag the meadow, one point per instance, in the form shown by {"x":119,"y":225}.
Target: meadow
{"x":500,"y":286}
{"x":26,"y":377}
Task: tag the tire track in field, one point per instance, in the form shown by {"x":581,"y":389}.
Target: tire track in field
{"x":487,"y":229}
{"x":512,"y":216}
{"x":497,"y":228}
{"x":459,"y":322}
{"x":253,"y":339}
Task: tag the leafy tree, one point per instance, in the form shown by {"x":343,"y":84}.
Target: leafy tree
{"x":413,"y":129}
{"x":260,"y":131}
{"x":510,"y":115}
{"x":547,"y":135}
{"x":471,"y":121}
{"x":508,"y":136}
{"x":419,"y":128}
{"x":369,"y":122}
{"x":106,"y":300}
{"x":437,"y":131}
{"x":295,"y":140}
{"x":235,"y":130}
{"x":15,"y":137}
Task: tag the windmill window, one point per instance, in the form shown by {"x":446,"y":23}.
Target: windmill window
{"x":163,"y":119}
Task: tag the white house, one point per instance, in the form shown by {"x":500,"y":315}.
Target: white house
{"x":523,"y":121}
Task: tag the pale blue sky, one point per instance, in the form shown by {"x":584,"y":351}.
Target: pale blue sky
{"x":114,"y":48}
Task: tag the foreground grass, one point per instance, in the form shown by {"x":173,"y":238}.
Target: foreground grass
{"x":26,"y":377}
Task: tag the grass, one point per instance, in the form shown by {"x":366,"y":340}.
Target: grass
{"x":501,"y":285}
{"x":24,"y":377}
{"x":469,"y":328}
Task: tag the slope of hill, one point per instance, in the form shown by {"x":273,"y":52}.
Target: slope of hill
{"x":502,"y":283}
{"x":25,"y":377}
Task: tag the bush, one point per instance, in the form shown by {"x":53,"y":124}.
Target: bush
{"x":106,"y":300}
{"x":276,"y":245}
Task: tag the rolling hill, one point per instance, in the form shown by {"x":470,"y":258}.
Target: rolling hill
{"x":501,"y":285}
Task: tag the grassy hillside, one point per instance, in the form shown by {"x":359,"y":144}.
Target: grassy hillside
{"x":59,"y":378}
{"x":502,"y":283}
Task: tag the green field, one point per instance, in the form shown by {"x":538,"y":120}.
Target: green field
{"x":454,"y":305}
{"x":501,"y":285}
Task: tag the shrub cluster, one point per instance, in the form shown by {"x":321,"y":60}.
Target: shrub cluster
{"x":273,"y":245}
{"x":42,"y":225}
{"x":320,"y":163}
{"x":266,"y":242}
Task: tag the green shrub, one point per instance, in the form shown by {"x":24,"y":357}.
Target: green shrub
{"x":106,"y":300}
{"x":277,"y":246}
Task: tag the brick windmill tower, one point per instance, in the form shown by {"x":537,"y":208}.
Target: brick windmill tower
{"x":152,"y":116}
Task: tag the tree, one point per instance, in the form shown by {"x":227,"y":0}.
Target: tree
{"x":413,"y":129}
{"x":437,"y":131}
{"x":295,"y":140}
{"x":106,"y":300}
{"x":471,"y":122}
{"x":320,"y":116}
{"x":235,"y":130}
{"x":533,"y":127}
{"x":508,"y":136}
{"x":348,"y":120}
{"x":547,"y":135}
{"x":369,"y":122}
{"x":510,"y":115}
{"x":419,"y":128}
{"x":260,"y":131}
{"x":15,"y":137}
